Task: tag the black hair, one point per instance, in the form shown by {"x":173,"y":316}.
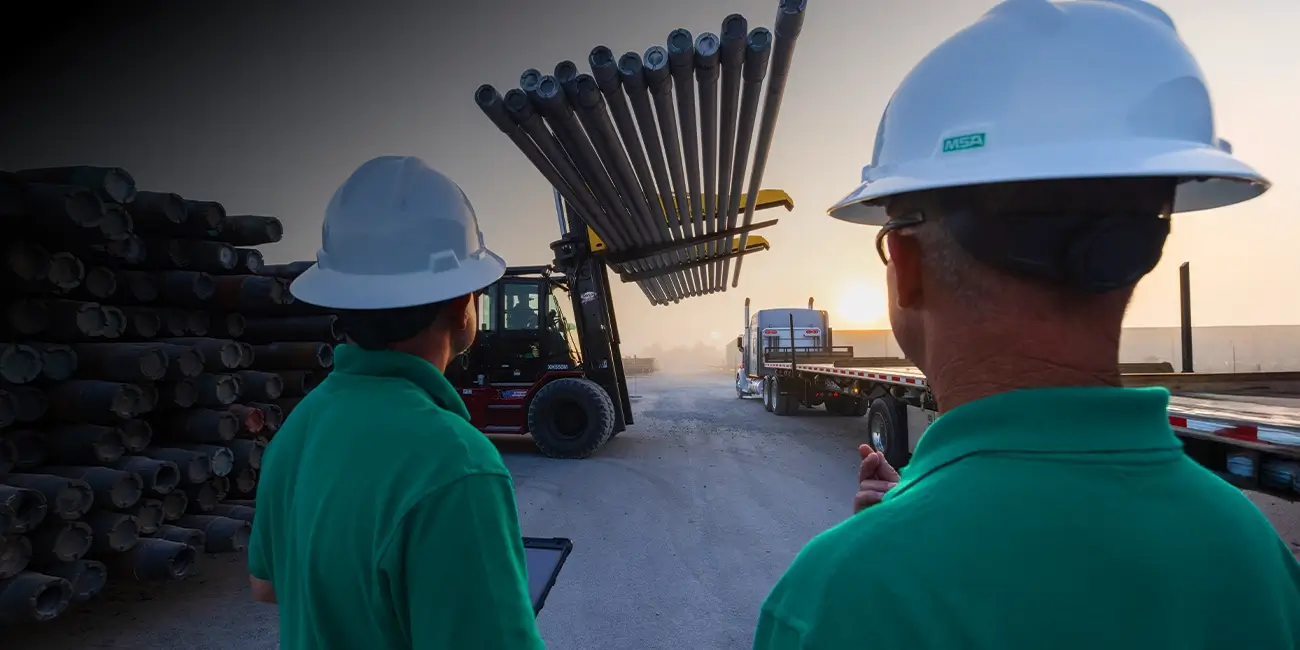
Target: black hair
{"x":1081,"y":196}
{"x":1093,"y":235}
{"x":379,"y":329}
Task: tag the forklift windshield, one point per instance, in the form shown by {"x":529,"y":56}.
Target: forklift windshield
{"x":521,"y":306}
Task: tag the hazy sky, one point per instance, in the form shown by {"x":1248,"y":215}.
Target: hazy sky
{"x":269,"y":110}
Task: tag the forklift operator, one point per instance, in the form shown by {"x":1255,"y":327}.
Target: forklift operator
{"x":519,"y":316}
{"x":385,"y":520}
{"x":1023,"y":178}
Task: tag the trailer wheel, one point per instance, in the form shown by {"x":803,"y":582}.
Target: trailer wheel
{"x":887,"y":424}
{"x":784,"y":401}
{"x":571,"y":418}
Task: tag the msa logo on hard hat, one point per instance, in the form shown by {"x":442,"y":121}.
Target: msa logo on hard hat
{"x":963,"y":142}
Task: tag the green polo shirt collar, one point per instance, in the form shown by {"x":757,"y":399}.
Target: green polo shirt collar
{"x":355,"y":360}
{"x":1047,"y":420}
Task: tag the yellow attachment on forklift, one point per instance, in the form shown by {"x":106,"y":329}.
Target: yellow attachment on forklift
{"x":766,"y":199}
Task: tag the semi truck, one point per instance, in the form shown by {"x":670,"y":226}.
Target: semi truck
{"x":1243,"y":426}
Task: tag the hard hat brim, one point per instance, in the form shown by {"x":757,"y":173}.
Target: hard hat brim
{"x":1225,"y":179}
{"x":335,"y":290}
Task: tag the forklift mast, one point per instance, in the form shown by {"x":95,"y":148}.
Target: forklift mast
{"x":593,"y":310}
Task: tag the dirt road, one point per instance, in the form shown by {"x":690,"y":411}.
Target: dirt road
{"x":680,"y":526}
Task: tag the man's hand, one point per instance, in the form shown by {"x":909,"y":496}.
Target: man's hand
{"x":875,"y":478}
{"x":263,"y":591}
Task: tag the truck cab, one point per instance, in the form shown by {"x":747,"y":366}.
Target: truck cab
{"x":777,"y":334}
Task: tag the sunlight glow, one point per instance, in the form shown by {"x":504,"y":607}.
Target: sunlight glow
{"x":862,"y":305}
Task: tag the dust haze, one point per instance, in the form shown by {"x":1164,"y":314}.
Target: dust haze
{"x":690,"y":358}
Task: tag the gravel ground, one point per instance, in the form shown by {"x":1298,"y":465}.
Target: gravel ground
{"x":680,"y":526}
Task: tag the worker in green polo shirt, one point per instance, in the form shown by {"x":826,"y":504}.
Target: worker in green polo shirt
{"x":384,"y":519}
{"x":1023,"y":179}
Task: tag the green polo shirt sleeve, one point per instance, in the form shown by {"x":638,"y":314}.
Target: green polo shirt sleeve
{"x":259,"y":548}
{"x":775,"y":633}
{"x":260,"y":543}
{"x":467,"y":534}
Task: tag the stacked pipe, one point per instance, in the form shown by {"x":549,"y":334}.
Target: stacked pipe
{"x":146,"y":355}
{"x":624,"y":148}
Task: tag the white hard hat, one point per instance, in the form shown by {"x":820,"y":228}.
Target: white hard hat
{"x":1038,"y":90}
{"x":397,"y":234}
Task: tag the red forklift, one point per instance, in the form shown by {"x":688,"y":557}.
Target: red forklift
{"x":547,"y":359}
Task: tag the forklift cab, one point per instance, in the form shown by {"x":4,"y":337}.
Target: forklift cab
{"x":525,"y":330}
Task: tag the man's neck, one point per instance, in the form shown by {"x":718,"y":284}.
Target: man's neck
{"x":968,"y":370}
{"x":437,"y":355}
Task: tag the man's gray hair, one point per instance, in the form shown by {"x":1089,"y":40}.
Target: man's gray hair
{"x":949,"y":264}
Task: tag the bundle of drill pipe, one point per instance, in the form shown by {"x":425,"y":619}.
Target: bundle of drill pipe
{"x":635,"y":179}
{"x":147,"y":354}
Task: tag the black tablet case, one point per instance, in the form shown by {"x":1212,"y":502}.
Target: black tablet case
{"x":545,"y":557}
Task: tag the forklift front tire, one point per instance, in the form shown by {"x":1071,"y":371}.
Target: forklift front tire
{"x":571,"y":418}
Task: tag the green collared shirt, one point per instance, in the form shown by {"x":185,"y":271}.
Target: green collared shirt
{"x":1061,"y":519}
{"x":385,"y":520}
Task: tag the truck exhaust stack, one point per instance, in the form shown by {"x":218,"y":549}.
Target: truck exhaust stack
{"x":659,"y":189}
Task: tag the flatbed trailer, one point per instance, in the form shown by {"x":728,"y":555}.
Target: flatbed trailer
{"x":1251,"y":440}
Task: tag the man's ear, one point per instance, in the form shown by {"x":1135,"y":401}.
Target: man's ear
{"x":905,"y":264}
{"x":460,"y":312}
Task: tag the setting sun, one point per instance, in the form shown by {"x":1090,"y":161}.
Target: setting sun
{"x":862,"y":306}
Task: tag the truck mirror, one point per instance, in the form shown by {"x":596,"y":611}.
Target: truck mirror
{"x":740,"y":342}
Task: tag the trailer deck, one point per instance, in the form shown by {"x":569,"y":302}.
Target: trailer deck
{"x":1267,"y":424}
{"x":901,"y":375}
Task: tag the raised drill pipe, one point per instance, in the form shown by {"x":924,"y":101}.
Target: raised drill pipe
{"x":659,"y":82}
{"x":731,"y":59}
{"x":605,"y":72}
{"x":546,"y":94}
{"x":758,"y":50}
{"x":513,"y":115}
{"x":706,"y":78}
{"x":789,"y":22}
{"x":681,"y":63}
{"x":590,"y":108}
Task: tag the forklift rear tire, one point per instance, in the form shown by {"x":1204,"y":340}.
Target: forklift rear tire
{"x":887,"y":426}
{"x":571,"y":418}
